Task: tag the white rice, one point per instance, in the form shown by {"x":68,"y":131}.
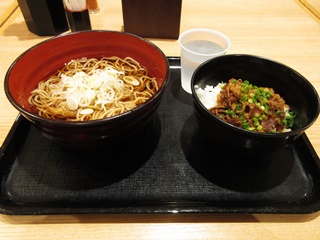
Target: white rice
{"x":208,"y":95}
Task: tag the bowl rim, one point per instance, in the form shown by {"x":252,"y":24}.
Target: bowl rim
{"x":245,"y":131}
{"x":34,"y":117}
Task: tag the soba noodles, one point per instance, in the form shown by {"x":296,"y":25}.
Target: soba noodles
{"x":90,"y":89}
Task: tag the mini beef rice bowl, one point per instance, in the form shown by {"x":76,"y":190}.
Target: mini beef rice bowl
{"x":252,"y":104}
{"x":247,"y":106}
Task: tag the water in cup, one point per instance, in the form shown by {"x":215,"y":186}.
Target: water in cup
{"x":197,"y":46}
{"x":203,"y":47}
{"x":190,"y":65}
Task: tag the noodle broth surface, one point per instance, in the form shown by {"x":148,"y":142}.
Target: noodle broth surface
{"x":90,"y":89}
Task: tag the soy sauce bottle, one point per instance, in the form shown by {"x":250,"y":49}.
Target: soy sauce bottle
{"x":44,"y":17}
{"x":77,"y":14}
{"x":78,"y":20}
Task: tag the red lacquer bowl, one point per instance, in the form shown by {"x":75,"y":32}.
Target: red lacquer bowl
{"x":45,"y":58}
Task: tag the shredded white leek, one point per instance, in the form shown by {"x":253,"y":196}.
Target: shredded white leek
{"x":81,"y":89}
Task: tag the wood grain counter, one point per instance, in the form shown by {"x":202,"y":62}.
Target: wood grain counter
{"x":283,"y":30}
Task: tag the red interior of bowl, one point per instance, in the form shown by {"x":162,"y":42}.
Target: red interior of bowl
{"x":43,"y":60}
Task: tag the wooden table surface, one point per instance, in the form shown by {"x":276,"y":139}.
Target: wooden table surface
{"x":284,"y":30}
{"x":6,"y":9}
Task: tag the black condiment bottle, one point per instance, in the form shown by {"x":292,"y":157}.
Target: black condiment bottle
{"x":77,"y":15}
{"x":78,"y":20}
{"x":44,"y":17}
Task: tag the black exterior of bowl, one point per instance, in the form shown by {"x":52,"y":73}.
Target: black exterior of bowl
{"x":99,"y":133}
{"x":298,"y":93}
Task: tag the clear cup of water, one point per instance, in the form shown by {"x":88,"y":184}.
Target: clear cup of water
{"x":197,"y":46}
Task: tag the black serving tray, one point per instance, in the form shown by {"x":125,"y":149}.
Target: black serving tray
{"x":168,"y":167}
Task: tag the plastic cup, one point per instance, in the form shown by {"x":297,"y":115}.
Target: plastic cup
{"x":197,"y":46}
